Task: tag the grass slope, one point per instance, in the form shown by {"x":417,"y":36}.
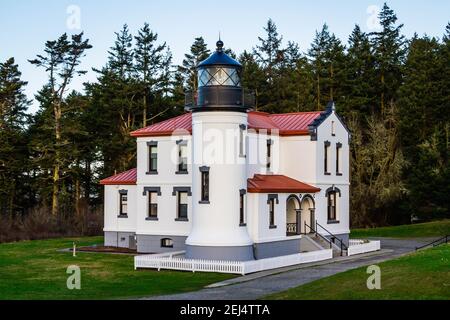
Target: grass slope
{"x":36,"y":270}
{"x":421,"y":275}
{"x":427,"y":229}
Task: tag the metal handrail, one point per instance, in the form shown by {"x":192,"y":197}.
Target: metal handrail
{"x":434,"y":243}
{"x":343,"y":246}
{"x":318,"y":234}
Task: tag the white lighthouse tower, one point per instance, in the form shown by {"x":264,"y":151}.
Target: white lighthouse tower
{"x":219,"y":124}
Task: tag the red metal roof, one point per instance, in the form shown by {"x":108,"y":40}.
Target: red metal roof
{"x":262,"y":183}
{"x":166,"y":127}
{"x":127,"y":177}
{"x":287,"y":124}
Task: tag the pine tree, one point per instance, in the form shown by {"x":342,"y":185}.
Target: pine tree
{"x":271,"y":57}
{"x":358,"y":93}
{"x":152,"y":61}
{"x":61,"y":60}
{"x":388,"y":47}
{"x":13,"y":151}
{"x":120,"y":58}
{"x":198,"y":52}
{"x":252,"y":77}
{"x":327,"y":60}
{"x":424,"y":127}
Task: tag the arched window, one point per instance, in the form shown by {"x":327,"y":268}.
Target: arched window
{"x":332,"y":206}
{"x":166,"y":243}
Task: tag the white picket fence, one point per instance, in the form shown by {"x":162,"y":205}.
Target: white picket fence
{"x":285,"y":261}
{"x":170,"y":261}
{"x":357,"y":246}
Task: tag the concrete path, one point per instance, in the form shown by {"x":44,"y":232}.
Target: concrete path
{"x":260,"y":284}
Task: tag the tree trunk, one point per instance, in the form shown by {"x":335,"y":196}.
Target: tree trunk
{"x":382,"y":93}
{"x":318,"y":93}
{"x":56,"y":168}
{"x":144,"y":112}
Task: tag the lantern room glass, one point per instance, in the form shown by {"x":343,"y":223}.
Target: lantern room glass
{"x":218,"y":76}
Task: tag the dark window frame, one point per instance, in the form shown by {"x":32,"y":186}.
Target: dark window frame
{"x":152,"y":210}
{"x":272,"y":199}
{"x":122,"y":194}
{"x":325,"y":158}
{"x":242,"y":128}
{"x":338,"y":162}
{"x":182,"y":167}
{"x":269,"y":144}
{"x":152,"y":167}
{"x":147,"y":192}
{"x":242,"y":193}
{"x":180,"y":208}
{"x":204,"y":176}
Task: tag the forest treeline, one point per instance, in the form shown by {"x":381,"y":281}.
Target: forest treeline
{"x":392,"y":92}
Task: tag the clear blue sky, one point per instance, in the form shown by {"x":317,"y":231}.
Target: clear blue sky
{"x":25,"y":24}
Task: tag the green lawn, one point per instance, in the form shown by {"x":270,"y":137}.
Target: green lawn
{"x":36,"y":270}
{"x":421,"y":275}
{"x":427,"y":229}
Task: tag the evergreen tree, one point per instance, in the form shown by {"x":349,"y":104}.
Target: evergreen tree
{"x":388,"y":47}
{"x":120,"y":58}
{"x":151,"y":65}
{"x":424,"y":127}
{"x":252,"y":77}
{"x":13,"y":151}
{"x":327,"y":61}
{"x":358,"y":93}
{"x":61,"y":59}
{"x":198,"y":52}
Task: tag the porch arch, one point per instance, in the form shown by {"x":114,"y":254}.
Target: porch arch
{"x":307,"y":217}
{"x":293,"y":207}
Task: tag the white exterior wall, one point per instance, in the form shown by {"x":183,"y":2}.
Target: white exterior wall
{"x":166,"y":179}
{"x":217,"y":223}
{"x":111,"y":209}
{"x":326,"y":181}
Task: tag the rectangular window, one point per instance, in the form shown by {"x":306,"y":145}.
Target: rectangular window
{"x":153,"y":158}
{"x":338,"y":155}
{"x":269,"y":154}
{"x":271,"y":212}
{"x":152,"y":205}
{"x":326,"y":158}
{"x":182,"y":204}
{"x":182,"y":158}
{"x":205,"y":186}
{"x":332,"y":206}
{"x":123,"y":206}
{"x":241,"y":209}
{"x":242,"y":128}
{"x":333,"y":133}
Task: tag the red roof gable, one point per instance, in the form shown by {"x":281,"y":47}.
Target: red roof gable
{"x":127,"y":177}
{"x":287,"y":124}
{"x":262,"y":183}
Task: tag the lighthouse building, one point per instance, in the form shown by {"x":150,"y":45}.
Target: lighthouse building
{"x":225,"y":182}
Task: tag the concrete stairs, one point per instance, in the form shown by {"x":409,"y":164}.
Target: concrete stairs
{"x":325,"y":244}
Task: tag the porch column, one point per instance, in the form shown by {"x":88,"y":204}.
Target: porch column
{"x":298,"y":220}
{"x":312,"y":215}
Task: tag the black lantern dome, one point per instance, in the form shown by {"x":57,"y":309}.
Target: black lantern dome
{"x":219,"y":84}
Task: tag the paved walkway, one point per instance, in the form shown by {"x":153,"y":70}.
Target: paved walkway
{"x":253,"y":286}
